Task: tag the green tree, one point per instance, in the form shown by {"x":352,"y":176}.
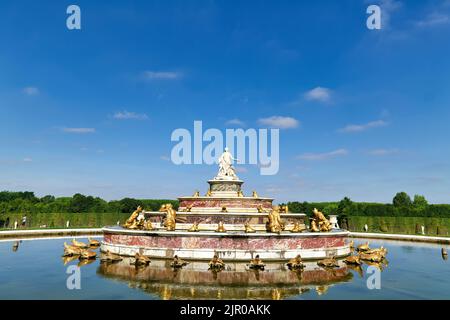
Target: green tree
{"x":401,"y":199}
{"x":420,"y":202}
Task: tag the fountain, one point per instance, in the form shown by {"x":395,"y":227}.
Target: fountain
{"x":226,"y":223}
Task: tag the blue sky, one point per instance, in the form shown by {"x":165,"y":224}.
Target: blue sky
{"x":92,"y":110}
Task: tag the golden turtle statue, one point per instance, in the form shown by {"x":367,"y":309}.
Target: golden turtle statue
{"x":94,"y":243}
{"x":363,"y":247}
{"x":70,"y":251}
{"x":140,"y":259}
{"x":87,"y":255}
{"x":79,"y":244}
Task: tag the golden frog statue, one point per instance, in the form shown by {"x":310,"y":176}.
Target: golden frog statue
{"x":140,"y":259}
{"x":196,"y":194}
{"x":132,"y":222}
{"x":188,"y":208}
{"x":110,"y":257}
{"x":221,"y":227}
{"x":328,"y":263}
{"x":319,"y":222}
{"x":256,"y":263}
{"x":260,"y":208}
{"x":178,"y":263}
{"x":356,"y":260}
{"x":208,"y":194}
{"x":194,"y":227}
{"x":274,"y":224}
{"x":297,"y":227}
{"x":248,"y":228}
{"x":148,"y":225}
{"x":284,"y":209}
{"x":296,"y":263}
{"x":216,"y":264}
{"x":171,"y":215}
{"x":255,"y":194}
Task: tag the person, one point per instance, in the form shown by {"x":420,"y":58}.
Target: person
{"x":24,"y":221}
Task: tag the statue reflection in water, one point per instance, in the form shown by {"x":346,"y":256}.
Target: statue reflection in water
{"x":15,"y":246}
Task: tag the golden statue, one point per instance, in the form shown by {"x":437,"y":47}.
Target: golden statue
{"x":171,"y":214}
{"x":221,"y":227}
{"x":140,"y":259}
{"x":328,"y":263}
{"x":372,"y":257}
{"x":224,"y":209}
{"x":284,"y":209}
{"x":352,"y":245}
{"x":363,"y":247}
{"x":188,"y":208}
{"x":70,"y":251}
{"x":110,"y":257}
{"x":194,"y":227}
{"x":255,"y":194}
{"x":79,"y":244}
{"x":209,"y":193}
{"x":148,"y":225}
{"x":381,"y":251}
{"x":296,"y":263}
{"x":87,"y":255}
{"x":297,"y":227}
{"x":274,"y":224}
{"x":260,"y":208}
{"x":319,"y":222}
{"x":216,"y":263}
{"x":93,"y":243}
{"x":240,"y":194}
{"x":355,"y":260}
{"x":178,"y":263}
{"x":131,"y":222}
{"x":256,"y":263}
{"x":196,"y":194}
{"x":248,"y":228}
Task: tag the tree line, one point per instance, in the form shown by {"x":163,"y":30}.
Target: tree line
{"x":402,"y":205}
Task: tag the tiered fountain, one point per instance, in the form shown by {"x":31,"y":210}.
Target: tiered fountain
{"x":227,"y":223}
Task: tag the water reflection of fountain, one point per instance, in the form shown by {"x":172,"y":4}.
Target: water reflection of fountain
{"x":235,"y":282}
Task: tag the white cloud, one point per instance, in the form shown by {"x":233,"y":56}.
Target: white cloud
{"x":318,"y":94}
{"x":30,"y":91}
{"x":382,"y":152}
{"x":27,"y":160}
{"x":434,"y":19}
{"x":235,"y":122}
{"x":79,"y":130}
{"x":125,"y":115}
{"x":363,"y":127}
{"x":162,"y":75}
{"x":279,"y":122}
{"x":323,"y":156}
{"x":165,"y":158}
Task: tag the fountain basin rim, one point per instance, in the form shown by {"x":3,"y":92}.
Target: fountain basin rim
{"x":227,"y":214}
{"x":232,"y":234}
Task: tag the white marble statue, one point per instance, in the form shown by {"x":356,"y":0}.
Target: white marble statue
{"x":226,"y":169}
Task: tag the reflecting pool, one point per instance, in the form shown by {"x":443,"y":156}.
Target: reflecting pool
{"x":34,"y":269}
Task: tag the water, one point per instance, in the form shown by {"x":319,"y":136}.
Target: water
{"x":37,"y":271}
